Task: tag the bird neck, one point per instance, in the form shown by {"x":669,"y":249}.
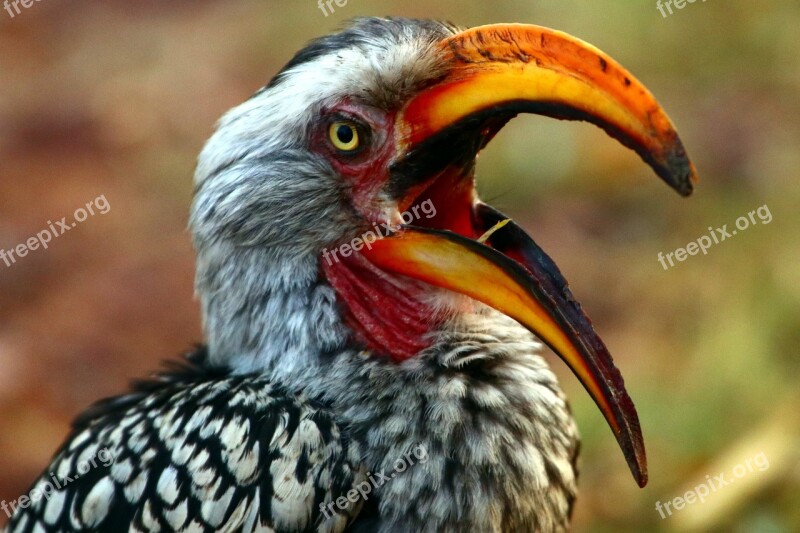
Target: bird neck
{"x":281,"y":315}
{"x":479,"y":400}
{"x":264,"y":312}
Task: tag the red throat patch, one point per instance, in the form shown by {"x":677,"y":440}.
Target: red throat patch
{"x":386,"y":312}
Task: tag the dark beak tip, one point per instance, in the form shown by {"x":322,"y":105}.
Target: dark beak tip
{"x":686,"y":186}
{"x":637,"y":462}
{"x":639,"y":469}
{"x":678,"y":171}
{"x":679,"y":174}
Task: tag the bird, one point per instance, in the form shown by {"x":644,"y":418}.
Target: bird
{"x":374,"y":333}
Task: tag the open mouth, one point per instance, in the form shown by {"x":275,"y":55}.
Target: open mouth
{"x":495,"y":73}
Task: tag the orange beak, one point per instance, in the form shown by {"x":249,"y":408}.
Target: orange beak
{"x":495,"y":72}
{"x":516,"y":68}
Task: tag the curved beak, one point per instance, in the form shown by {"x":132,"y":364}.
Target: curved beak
{"x":495,"y":72}
{"x":501,"y":70}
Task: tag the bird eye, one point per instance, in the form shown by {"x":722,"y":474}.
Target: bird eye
{"x":344,"y":136}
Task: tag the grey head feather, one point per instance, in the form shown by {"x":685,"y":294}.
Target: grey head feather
{"x":265,"y":205}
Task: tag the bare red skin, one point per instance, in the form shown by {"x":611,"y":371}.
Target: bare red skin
{"x":366,"y":172}
{"x":385,"y":312}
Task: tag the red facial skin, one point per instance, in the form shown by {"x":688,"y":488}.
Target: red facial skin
{"x":366,"y":170}
{"x":387,"y":313}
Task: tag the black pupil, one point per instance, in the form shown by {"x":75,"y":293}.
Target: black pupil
{"x":345,"y":134}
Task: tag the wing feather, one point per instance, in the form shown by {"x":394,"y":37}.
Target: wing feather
{"x":199,"y":450}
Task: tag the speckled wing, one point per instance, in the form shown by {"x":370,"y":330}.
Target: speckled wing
{"x":197,"y":450}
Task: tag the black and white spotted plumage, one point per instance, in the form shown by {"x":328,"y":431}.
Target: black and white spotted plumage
{"x":198,"y":450}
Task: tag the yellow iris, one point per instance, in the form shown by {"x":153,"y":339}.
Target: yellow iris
{"x":344,"y":136}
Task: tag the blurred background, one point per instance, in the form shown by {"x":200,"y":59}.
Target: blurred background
{"x":116,"y":100}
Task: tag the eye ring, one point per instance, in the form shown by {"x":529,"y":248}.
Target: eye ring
{"x":344,"y":136}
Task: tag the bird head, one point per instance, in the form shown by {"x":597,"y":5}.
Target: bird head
{"x":352,"y":173}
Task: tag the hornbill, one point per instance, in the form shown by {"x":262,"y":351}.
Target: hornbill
{"x":397,"y":384}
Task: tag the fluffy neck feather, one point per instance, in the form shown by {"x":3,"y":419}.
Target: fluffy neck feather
{"x":501,"y":443}
{"x":265,"y":315}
